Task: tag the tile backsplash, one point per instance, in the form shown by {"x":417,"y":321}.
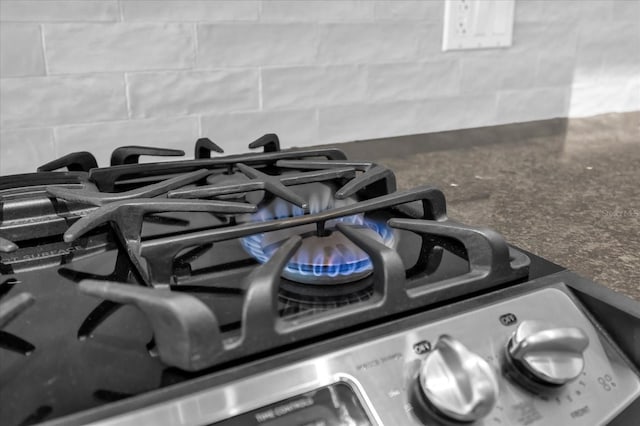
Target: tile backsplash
{"x":93,"y":75}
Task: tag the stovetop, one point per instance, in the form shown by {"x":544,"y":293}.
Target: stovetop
{"x":121,"y":280}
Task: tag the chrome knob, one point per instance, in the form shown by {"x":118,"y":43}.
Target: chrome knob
{"x":551,"y":355}
{"x":458,"y":383}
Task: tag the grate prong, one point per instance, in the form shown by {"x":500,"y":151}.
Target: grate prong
{"x":101,"y":198}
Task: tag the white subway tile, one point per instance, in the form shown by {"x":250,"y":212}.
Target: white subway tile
{"x":625,"y":11}
{"x":361,"y":121}
{"x":630,"y":99}
{"x":596,"y":12}
{"x":374,"y":69}
{"x":198,"y":11}
{"x":534,"y":104}
{"x":312,"y":86}
{"x":556,"y":37}
{"x":24,"y":150}
{"x":317,"y":11}
{"x":588,"y":100}
{"x":234,"y":131}
{"x":430,"y":44}
{"x":608,"y":54}
{"x":609,"y":35}
{"x":102,"y":138}
{"x":400,"y":81}
{"x":530,"y":11}
{"x":77,"y":48}
{"x":244,"y":44}
{"x":45,"y":101}
{"x":419,"y":10}
{"x":369,"y":43}
{"x":21,"y":50}
{"x":161,"y":94}
{"x":502,"y":71}
{"x":564,"y":11}
{"x":450,"y":113}
{"x":59,"y":11}
{"x":555,"y":70}
{"x":618,"y":71}
{"x":517,"y":71}
{"x":546,"y":11}
{"x":588,"y":68}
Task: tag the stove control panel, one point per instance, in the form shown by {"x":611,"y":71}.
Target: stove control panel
{"x":534,"y":359}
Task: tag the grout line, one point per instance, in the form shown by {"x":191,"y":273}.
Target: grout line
{"x":139,"y":71}
{"x":316,"y":118}
{"x":127,"y":96}
{"x":44,"y":46}
{"x":260,"y":100}
{"x":54,"y":139}
{"x":119,"y":120}
{"x":196,"y":45}
{"x":240,"y":67}
{"x":121,"y":10}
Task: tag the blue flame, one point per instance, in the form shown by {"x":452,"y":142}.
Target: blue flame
{"x":342,"y":264}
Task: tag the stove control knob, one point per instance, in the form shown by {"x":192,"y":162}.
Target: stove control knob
{"x":549,"y":355}
{"x":457,"y":384}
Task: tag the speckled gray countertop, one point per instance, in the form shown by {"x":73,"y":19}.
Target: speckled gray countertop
{"x":567,"y":191}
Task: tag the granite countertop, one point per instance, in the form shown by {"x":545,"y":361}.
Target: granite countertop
{"x":568,"y":191}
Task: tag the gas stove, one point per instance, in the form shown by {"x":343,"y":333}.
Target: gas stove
{"x":288,"y":287}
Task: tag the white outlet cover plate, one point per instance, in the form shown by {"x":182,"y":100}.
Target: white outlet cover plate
{"x":478,"y":24}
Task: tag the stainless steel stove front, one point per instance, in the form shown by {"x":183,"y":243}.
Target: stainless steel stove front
{"x":383,"y":372}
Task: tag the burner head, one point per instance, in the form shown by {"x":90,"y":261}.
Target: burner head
{"x":328,"y":259}
{"x":323,"y":258}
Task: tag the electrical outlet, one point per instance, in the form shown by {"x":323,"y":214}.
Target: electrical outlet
{"x":477,"y":24}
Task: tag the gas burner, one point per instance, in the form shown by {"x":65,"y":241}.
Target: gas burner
{"x":326,"y":259}
{"x":326,"y":256}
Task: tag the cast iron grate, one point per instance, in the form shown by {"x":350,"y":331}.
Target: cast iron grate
{"x":192,"y":339}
